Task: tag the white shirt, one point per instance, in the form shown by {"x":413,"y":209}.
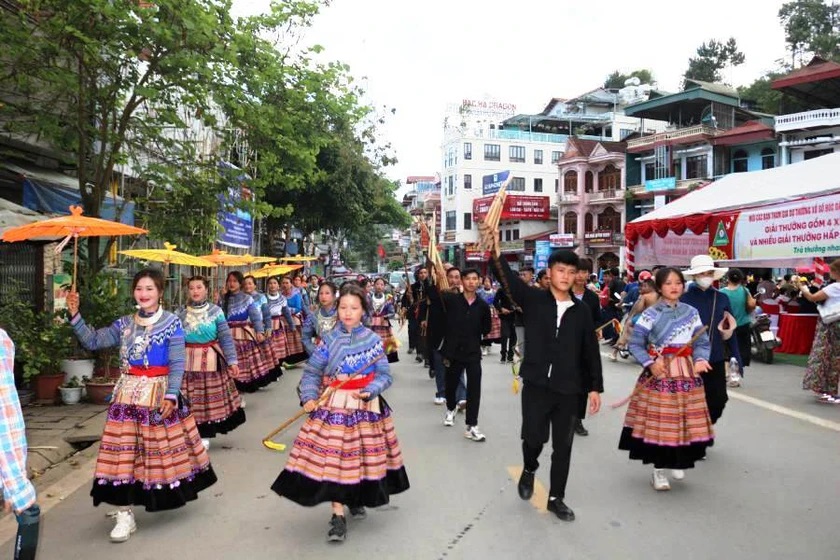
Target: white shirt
{"x":562,"y":306}
{"x":833,"y":293}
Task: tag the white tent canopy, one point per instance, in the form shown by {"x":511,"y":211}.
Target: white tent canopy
{"x":744,"y":190}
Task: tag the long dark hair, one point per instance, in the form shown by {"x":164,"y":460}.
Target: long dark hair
{"x":350,"y":289}
{"x":241,"y":279}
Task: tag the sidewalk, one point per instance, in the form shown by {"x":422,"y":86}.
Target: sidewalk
{"x":52,"y":431}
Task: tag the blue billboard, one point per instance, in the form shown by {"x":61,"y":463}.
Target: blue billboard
{"x":490,"y":184}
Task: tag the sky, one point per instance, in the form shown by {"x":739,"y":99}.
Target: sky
{"x":420,"y":57}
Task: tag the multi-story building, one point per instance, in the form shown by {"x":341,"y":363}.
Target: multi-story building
{"x":422,"y":202}
{"x":591,"y":198}
{"x":486,"y":143}
{"x":814,"y":132}
{"x":709,"y":134}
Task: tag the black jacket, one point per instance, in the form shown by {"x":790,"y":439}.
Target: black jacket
{"x":464,"y":325}
{"x":565,"y":360}
{"x":592,"y":301}
{"x":431,"y":311}
{"x":501,"y":300}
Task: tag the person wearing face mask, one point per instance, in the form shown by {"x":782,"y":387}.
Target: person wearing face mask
{"x":715,"y":313}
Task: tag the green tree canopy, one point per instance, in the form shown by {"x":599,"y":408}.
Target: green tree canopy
{"x":617,"y":78}
{"x":811,"y":27}
{"x":712,"y":57}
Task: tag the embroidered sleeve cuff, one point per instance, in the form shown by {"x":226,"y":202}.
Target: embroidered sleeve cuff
{"x":647,"y":363}
{"x":171,"y":397}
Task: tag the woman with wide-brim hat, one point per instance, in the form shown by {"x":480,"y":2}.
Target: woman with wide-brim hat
{"x":715,"y":312}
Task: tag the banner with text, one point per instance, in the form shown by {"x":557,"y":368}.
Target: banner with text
{"x":805,"y":228}
{"x":542,"y":250}
{"x":490,"y":184}
{"x":671,"y":250}
{"x":517,"y":207}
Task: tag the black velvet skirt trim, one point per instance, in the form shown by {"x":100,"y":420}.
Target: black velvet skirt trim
{"x":296,"y":358}
{"x":153,"y":499}
{"x":211,"y":429}
{"x":393,"y":357}
{"x":368,"y":493}
{"x":253,"y":385}
{"x":662,"y":457}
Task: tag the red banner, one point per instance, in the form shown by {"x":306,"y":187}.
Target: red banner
{"x":722,"y":236}
{"x":517,"y":207}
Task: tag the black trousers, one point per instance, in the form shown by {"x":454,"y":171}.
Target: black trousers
{"x":508,"y":338}
{"x":743,"y":335}
{"x":714,"y":382}
{"x":413,"y":329}
{"x":453,"y":376}
{"x":544,"y":411}
{"x":583,"y":403}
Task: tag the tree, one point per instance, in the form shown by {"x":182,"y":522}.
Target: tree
{"x":712,"y":57}
{"x":617,"y":79}
{"x":811,"y":27}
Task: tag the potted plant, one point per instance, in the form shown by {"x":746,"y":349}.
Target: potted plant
{"x":71,"y":391}
{"x":99,"y":389}
{"x":43,"y":353}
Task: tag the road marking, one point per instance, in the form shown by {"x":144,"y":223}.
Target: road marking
{"x":53,"y":495}
{"x":804,"y":416}
{"x":540,"y":498}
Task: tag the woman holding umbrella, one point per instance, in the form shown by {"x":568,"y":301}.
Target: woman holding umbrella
{"x":151,"y":453}
{"x":211,"y":365}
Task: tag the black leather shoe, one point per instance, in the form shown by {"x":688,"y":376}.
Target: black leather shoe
{"x":561,"y":510}
{"x":526,"y":485}
{"x":580,"y":430}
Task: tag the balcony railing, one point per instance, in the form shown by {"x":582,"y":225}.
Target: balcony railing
{"x":609,"y":195}
{"x":671,"y":135}
{"x":808,"y":119}
{"x":569,"y":198}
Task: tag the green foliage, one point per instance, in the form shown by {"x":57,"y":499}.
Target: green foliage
{"x":73,"y":383}
{"x":712,"y":57}
{"x":811,"y":27}
{"x":395,"y":264}
{"x":617,"y":79}
{"x":104,"y":297}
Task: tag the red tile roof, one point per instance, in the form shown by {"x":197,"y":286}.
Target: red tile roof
{"x":816,"y":71}
{"x":751,"y":131}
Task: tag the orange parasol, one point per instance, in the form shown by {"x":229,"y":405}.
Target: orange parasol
{"x":223,"y":258}
{"x":274,"y":270}
{"x":73,"y":226}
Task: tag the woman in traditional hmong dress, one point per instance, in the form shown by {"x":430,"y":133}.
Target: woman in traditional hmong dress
{"x":323,"y":320}
{"x":381,"y":312}
{"x":347,"y":451}
{"x":245,"y":319}
{"x":313,"y":283}
{"x":249,"y":286}
{"x":211,"y":365}
{"x":277,"y":310}
{"x":295,"y":350}
{"x":822,"y":373}
{"x":150,"y":453}
{"x":488,"y":294}
{"x":667,"y":421}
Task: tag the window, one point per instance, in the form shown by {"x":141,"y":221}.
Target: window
{"x":609,"y":179}
{"x":588,"y":223}
{"x":696,"y":167}
{"x":515,"y":234}
{"x":817,"y":153}
{"x":467,"y":220}
{"x":570,"y":182}
{"x":537,"y":185}
{"x":492,"y":152}
{"x":650,"y":171}
{"x":570,"y":223}
{"x":740,"y":162}
{"x":451,"y":223}
{"x":555,"y":157}
{"x":517,"y":184}
{"x":609,"y":220}
{"x":588,"y":182}
{"x":467,"y":181}
{"x":467,"y":150}
{"x":538,"y":155}
{"x":768,"y":158}
{"x":507,"y":235}
{"x":556,"y":185}
{"x":450,"y":185}
{"x":516,"y":154}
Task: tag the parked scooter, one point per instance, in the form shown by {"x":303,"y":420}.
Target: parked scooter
{"x":764,"y":340}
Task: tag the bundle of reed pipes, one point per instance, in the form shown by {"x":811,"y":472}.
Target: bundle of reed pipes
{"x":439,"y":276}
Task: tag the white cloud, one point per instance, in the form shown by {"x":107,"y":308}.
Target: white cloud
{"x":420,"y":56}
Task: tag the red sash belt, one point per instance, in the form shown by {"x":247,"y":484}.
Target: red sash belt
{"x":151,"y":371}
{"x":200,"y":344}
{"x":239,"y":324}
{"x":671,"y":350}
{"x":355,"y":383}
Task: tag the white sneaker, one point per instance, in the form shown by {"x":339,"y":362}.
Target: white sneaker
{"x":242,"y":403}
{"x":734,"y":380}
{"x":449,"y":419}
{"x":678,"y":474}
{"x":474,"y":434}
{"x":206,"y":443}
{"x":440,"y":400}
{"x":124,"y":527}
{"x":659,"y":480}
{"x":483,"y":350}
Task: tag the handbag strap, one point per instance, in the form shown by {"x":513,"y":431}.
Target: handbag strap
{"x":712,"y":322}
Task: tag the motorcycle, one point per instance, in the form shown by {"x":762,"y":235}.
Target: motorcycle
{"x":764,"y":340}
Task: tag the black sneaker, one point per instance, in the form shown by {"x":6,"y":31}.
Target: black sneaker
{"x":561,"y":510}
{"x":502,"y":361}
{"x":358,"y":512}
{"x":580,"y":429}
{"x":338,"y":529}
{"x":526,"y":485}
{"x":418,"y":358}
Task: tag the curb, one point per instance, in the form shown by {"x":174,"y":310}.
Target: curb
{"x":42,"y":458}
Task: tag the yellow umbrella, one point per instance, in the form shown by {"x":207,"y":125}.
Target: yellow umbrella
{"x":299,"y":259}
{"x":223,"y":258}
{"x":168,"y":255}
{"x":274,"y":270}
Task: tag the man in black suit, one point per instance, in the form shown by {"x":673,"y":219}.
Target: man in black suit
{"x":562,"y":362}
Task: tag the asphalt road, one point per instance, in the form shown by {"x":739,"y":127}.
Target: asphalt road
{"x":769,"y":489}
